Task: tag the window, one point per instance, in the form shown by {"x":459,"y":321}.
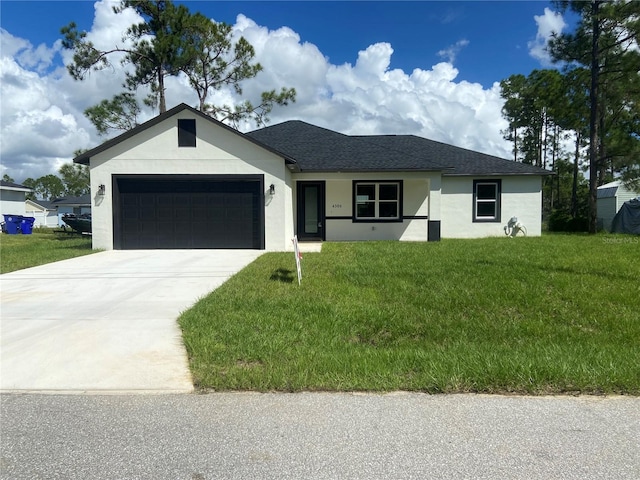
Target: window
{"x":379,"y":201}
{"x":186,"y":132}
{"x":486,"y":200}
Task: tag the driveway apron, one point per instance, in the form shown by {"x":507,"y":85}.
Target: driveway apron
{"x":106,"y":322}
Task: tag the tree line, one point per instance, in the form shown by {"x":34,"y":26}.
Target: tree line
{"x":73,"y":180}
{"x":584,"y":117}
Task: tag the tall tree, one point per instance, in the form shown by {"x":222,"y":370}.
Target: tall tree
{"x":531,"y":105}
{"x":513,"y":92}
{"x":31,"y":183}
{"x":546,"y":109}
{"x":573,"y":116}
{"x":158,"y":46}
{"x":215,"y":62}
{"x":606,"y":43}
{"x":46,"y":187}
{"x":168,"y":41}
{"x":119,"y":113}
{"x":7,"y":178}
{"x":153,"y":48}
{"x":75,"y":178}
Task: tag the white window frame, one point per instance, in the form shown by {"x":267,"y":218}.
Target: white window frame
{"x":496,"y":201}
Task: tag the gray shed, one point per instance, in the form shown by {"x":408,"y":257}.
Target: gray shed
{"x":611,"y":197}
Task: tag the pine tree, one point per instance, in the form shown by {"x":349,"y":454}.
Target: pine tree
{"x":605,"y":43}
{"x":169,"y":41}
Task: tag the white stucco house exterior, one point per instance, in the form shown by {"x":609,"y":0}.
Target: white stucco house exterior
{"x":12,"y":198}
{"x":185,"y":180}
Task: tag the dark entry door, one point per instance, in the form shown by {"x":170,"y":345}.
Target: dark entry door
{"x":311,"y":211}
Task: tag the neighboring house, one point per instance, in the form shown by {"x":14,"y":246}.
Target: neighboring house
{"x":185,"y":180}
{"x":75,"y":205}
{"x":611,"y":196}
{"x":45,"y":214}
{"x":12,"y":197}
{"x":49,"y":213}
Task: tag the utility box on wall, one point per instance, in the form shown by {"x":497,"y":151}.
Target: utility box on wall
{"x":434,"y":231}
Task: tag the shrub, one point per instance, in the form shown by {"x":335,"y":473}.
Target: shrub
{"x":561,"y":221}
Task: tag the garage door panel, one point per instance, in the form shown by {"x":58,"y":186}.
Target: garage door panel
{"x":190,"y":214}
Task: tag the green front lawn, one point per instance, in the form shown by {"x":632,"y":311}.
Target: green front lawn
{"x":552,"y":314}
{"x":43,"y":246}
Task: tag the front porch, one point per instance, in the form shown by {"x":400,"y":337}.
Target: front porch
{"x":364,"y":206}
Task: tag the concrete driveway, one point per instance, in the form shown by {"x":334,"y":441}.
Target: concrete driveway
{"x":106,"y":322}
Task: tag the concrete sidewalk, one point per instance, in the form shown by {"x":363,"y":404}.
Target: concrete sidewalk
{"x":107,"y":321}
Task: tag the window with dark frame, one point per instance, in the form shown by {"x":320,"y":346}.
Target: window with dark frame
{"x":486,"y":200}
{"x":377,"y":201}
{"x":186,"y":132}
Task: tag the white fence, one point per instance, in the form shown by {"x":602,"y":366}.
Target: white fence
{"x":44,"y":219}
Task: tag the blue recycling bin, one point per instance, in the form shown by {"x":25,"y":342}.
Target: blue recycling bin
{"x":12,"y":224}
{"x":26,"y":225}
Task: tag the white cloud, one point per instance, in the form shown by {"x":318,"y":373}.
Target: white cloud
{"x":549,"y":23}
{"x":450,"y":53}
{"x":43,"y":124}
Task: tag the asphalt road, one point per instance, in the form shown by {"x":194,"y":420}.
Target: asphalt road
{"x":318,"y":435}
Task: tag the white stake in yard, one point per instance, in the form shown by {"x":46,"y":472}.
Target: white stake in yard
{"x":296,"y":250}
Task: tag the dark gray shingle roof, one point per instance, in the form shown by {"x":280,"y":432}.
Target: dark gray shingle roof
{"x":321,"y":150}
{"x":317,"y":149}
{"x":70,"y":200}
{"x":46,"y":204}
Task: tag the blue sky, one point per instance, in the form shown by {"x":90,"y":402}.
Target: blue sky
{"x":497,"y":32}
{"x":425,"y":68}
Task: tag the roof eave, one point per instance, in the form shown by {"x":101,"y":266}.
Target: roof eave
{"x":367,"y":170}
{"x":11,"y":189}
{"x":499,"y":174}
{"x":15,"y":189}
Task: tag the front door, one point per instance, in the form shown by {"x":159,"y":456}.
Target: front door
{"x":311,"y":211}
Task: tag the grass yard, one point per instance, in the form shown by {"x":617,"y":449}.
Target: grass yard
{"x":553,"y":314}
{"x":43,"y":246}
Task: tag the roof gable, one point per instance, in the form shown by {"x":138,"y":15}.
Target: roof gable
{"x":321,"y":150}
{"x":43,"y":204}
{"x":84,"y":158}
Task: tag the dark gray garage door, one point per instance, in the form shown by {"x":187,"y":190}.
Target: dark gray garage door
{"x":188,"y":212}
